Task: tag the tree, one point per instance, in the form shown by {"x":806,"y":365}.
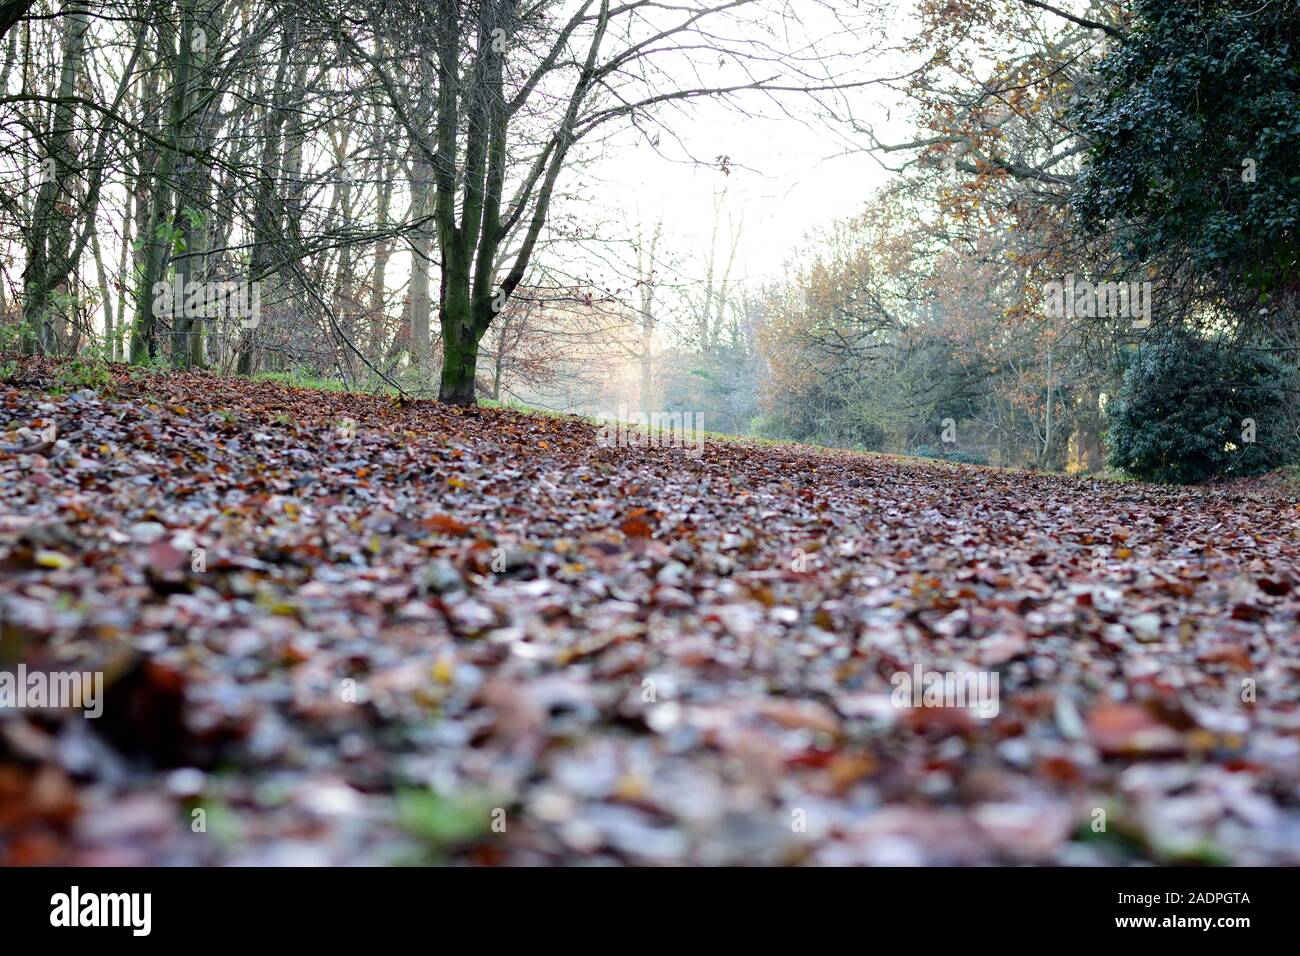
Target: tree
{"x":519,"y":85}
{"x":176,"y":44}
{"x":713,"y":310}
{"x":1191,"y":409}
{"x":1194,"y":144}
{"x":50,"y":253}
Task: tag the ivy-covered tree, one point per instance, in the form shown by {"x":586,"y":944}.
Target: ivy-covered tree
{"x":1193,"y":123}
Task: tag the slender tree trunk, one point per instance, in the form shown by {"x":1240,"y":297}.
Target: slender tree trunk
{"x":52,"y":219}
{"x":105,"y":294}
{"x":192,"y":201}
{"x":421,"y":302}
{"x":346,"y":304}
{"x":163,"y":212}
{"x":1048,"y":437}
{"x":646,"y":266}
{"x":383,"y":249}
{"x":265,"y":211}
{"x":115,"y":346}
{"x":147,"y":159}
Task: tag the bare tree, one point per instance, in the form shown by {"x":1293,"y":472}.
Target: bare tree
{"x":519,"y":86}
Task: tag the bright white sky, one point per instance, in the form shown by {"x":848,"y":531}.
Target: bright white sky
{"x":784,"y":181}
{"x":788,"y":175}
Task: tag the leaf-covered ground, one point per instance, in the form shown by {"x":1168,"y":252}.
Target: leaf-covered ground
{"x":414,"y":622}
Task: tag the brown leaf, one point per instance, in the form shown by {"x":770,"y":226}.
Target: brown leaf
{"x":1129,"y":729}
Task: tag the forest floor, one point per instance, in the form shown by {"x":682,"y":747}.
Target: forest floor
{"x":337,"y":629}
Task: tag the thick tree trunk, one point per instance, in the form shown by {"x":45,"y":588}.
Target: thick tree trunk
{"x":459,"y":366}
{"x":463,"y":319}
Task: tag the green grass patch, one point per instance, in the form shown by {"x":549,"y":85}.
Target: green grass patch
{"x":444,"y":823}
{"x":302,"y":380}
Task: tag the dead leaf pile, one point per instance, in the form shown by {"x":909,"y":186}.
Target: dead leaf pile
{"x":337,"y":629}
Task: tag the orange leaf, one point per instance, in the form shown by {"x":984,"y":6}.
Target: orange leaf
{"x":634,"y":527}
{"x":445,"y":524}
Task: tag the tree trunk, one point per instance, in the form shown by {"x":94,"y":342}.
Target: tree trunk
{"x":191,"y":203}
{"x":383,"y":249}
{"x":105,"y":295}
{"x":646,"y":265}
{"x":266,"y":214}
{"x":459,"y":347}
{"x":162,"y":212}
{"x":459,"y":366}
{"x":146,"y":166}
{"x":421,"y":302}
{"x":52,"y":218}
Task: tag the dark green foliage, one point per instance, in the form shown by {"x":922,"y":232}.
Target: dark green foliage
{"x":1186,"y":405}
{"x":1175,"y":112}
